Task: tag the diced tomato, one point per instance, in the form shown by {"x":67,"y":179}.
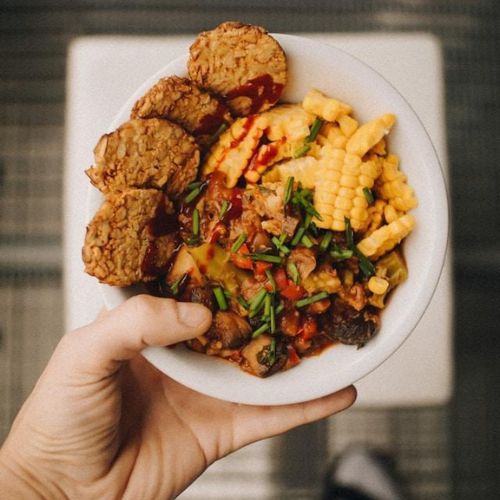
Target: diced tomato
{"x":309,"y":328}
{"x":240,"y":260}
{"x":293,"y":292}
{"x":293,"y":357}
{"x":281,"y":278}
{"x":262,"y":267}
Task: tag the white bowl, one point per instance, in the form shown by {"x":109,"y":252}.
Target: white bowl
{"x":337,"y":74}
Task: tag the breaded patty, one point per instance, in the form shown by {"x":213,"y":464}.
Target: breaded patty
{"x":242,"y":63}
{"x":131,"y":237}
{"x":183,"y":102}
{"x":149,"y":153}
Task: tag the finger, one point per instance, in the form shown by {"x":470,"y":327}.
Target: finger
{"x":253,"y":423}
{"x":140,"y":322}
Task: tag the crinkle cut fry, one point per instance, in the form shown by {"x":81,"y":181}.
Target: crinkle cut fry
{"x":387,"y":237}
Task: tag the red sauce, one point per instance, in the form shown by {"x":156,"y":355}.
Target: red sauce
{"x":246,"y":128}
{"x":163,"y":223}
{"x":260,"y":90}
{"x":236,"y":204}
{"x":210,"y":123}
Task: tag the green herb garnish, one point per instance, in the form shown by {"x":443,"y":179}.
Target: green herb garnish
{"x":306,"y":241}
{"x":220,"y":297}
{"x":314,"y":131}
{"x":298,"y":236}
{"x":341,"y":253}
{"x":238,"y":243}
{"x":325,"y":242}
{"x":349,"y":235}
{"x":262,"y":328}
{"x":196,"y":222}
{"x":301,"y":151}
{"x":270,"y":277}
{"x":258,"y":299}
{"x":367,"y":268}
{"x":223,"y":209}
{"x":312,"y":299}
{"x":264,"y":257}
{"x":288,"y":190}
{"x":292,"y":267}
{"x":280,"y":246}
{"x":368,"y":195}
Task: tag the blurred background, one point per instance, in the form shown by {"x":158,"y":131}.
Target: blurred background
{"x":441,"y":451}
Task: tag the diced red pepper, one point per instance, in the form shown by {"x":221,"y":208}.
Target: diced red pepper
{"x":293,"y":292}
{"x":281,"y":278}
{"x":262,"y":267}
{"x":240,"y":260}
{"x":309,"y":328}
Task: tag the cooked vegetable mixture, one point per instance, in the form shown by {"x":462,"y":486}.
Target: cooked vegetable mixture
{"x":290,"y":231}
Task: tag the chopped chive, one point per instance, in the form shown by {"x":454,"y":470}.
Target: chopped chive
{"x":270,"y":277}
{"x":292,"y":267}
{"x":368,"y":195}
{"x":267,"y":306}
{"x":194,"y":185}
{"x":306,"y":241}
{"x":298,"y":236}
{"x":272,"y":352}
{"x":227,"y":293}
{"x":311,"y":210}
{"x":264,"y":257}
{"x":220,"y":298}
{"x":301,"y":151}
{"x":263,"y":328}
{"x":223,"y":209}
{"x":272,"y":320}
{"x":312,"y":299}
{"x":315,"y":128}
{"x":280,"y":246}
{"x":325,"y":242}
{"x":178,"y":284}
{"x":223,"y":127}
{"x":349,"y":236}
{"x":238,"y":243}
{"x":341,"y":253}
{"x":282,"y":238}
{"x":196,"y":222}
{"x":195,"y":191}
{"x":242,"y":301}
{"x":314,"y":229}
{"x":258,"y":299}
{"x":288,"y":189}
{"x":307,"y":220}
{"x":280,"y":308}
{"x":367,"y":268}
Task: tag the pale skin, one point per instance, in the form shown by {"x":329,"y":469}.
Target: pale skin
{"x":102,"y":422}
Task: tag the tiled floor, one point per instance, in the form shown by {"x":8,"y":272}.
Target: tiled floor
{"x":441,"y":452}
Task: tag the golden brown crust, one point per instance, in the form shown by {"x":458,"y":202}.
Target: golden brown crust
{"x":120,"y":236}
{"x":242,"y":63}
{"x":150,"y":153}
{"x":183,"y":102}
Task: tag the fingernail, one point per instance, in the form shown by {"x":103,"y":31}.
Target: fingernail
{"x":192,"y":315}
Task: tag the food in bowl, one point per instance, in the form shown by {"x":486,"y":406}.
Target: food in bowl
{"x":288,"y":227}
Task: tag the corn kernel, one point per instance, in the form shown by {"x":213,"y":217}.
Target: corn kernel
{"x":378,"y":285}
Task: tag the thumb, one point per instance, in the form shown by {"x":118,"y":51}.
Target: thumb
{"x":122,"y":333}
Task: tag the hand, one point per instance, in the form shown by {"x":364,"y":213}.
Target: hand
{"x":104,"y":423}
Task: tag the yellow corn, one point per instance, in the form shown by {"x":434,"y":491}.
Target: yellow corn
{"x":332,"y":134}
{"x":235,"y":148}
{"x":375,"y":216}
{"x":387,"y":237}
{"x":325,"y":107}
{"x":378,"y":285}
{"x":370,"y":134}
{"x":392,"y":186}
{"x":390,"y":214}
{"x":303,"y":170}
{"x":380,"y":148}
{"x":339,"y":183}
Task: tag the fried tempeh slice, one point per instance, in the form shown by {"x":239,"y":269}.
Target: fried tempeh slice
{"x":180,"y":100}
{"x":150,"y":153}
{"x":131,"y":237}
{"x":242,"y":63}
